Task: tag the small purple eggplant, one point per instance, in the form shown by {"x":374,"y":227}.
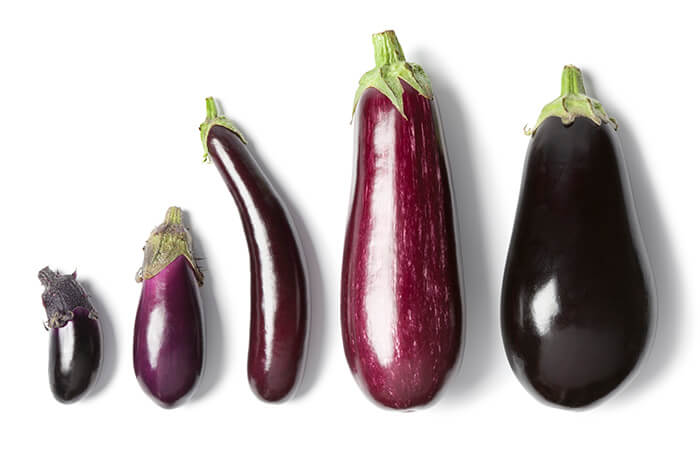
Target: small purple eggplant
{"x":169,"y":332}
{"x":75,"y":347}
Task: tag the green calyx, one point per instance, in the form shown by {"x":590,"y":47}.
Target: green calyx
{"x":168,"y":241}
{"x":214,"y":119}
{"x":573,"y":102}
{"x":392,"y":66}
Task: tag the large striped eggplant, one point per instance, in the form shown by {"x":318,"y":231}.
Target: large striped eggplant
{"x":401,"y":301}
{"x":578,"y":303}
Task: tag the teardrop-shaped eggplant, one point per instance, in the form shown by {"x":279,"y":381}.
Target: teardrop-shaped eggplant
{"x":75,"y":345}
{"x":169,"y":327}
{"x":401,"y":303}
{"x":578,"y":304}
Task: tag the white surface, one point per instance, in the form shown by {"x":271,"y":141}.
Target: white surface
{"x":99,"y":113}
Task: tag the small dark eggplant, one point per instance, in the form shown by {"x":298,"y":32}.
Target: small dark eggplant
{"x":75,"y":347}
{"x":169,"y":329}
{"x":401,"y":301}
{"x":279,"y":303}
{"x":578,"y":302}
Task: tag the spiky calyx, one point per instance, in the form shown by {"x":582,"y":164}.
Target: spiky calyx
{"x":168,"y":241}
{"x":573,"y":102}
{"x":390,"y":70}
{"x":62,"y":295}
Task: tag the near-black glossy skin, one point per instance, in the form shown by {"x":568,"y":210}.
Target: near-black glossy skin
{"x":279,"y":297}
{"x":75,"y":356}
{"x":578,"y":304}
{"x":75,"y":345}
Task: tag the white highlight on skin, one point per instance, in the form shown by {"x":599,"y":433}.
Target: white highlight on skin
{"x":268,"y":286}
{"x":380,"y":304}
{"x":67,"y":340}
{"x":154,"y":334}
{"x":545,"y":306}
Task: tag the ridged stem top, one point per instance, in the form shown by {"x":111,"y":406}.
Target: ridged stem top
{"x":173,"y":216}
{"x":572,"y":81}
{"x":212,"y":112}
{"x":387,"y":49}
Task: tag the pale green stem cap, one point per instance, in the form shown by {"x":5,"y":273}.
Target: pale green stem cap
{"x":168,"y":241}
{"x":214,"y":119}
{"x":573,"y":102}
{"x":391,"y":66}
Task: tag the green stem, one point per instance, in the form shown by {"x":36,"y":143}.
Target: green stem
{"x":387,"y":49}
{"x":212,"y":112}
{"x":214,"y":119}
{"x":391,"y":70}
{"x":173,"y":216}
{"x":168,"y":241}
{"x":572,"y":81}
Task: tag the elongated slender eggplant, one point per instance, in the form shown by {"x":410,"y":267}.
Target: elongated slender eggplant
{"x":401,"y":302}
{"x":75,"y":347}
{"x":279,"y":305}
{"x":169,"y":329}
{"x":578,"y":303}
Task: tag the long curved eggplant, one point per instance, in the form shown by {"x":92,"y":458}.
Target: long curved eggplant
{"x":401,"y":302}
{"x":279,"y":307}
{"x":75,"y":347}
{"x":578,"y":303}
{"x":169,"y":327}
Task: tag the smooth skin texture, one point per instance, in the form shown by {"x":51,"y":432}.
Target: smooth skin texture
{"x":401,"y":303}
{"x":279,"y":317}
{"x":578,"y":304}
{"x":75,"y":356}
{"x":169,"y":335}
{"x":75,"y":344}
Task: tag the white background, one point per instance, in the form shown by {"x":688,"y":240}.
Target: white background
{"x":99,"y":108}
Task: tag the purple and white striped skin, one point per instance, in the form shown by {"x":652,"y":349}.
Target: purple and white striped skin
{"x":169,"y":331}
{"x":401,"y":303}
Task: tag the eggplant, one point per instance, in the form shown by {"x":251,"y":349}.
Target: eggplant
{"x":169,"y":328}
{"x":75,"y":345}
{"x":401,"y":300}
{"x":578,"y":304}
{"x":279,"y":305}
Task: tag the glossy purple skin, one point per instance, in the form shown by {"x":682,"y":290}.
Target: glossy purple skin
{"x":168,"y":335}
{"x":279,"y":299}
{"x":401,"y":305}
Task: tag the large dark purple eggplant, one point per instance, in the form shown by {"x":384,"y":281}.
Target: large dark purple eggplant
{"x":75,"y":347}
{"x":401,"y":302}
{"x":279,"y":302}
{"x":578,"y":303}
{"x":169,"y":327}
